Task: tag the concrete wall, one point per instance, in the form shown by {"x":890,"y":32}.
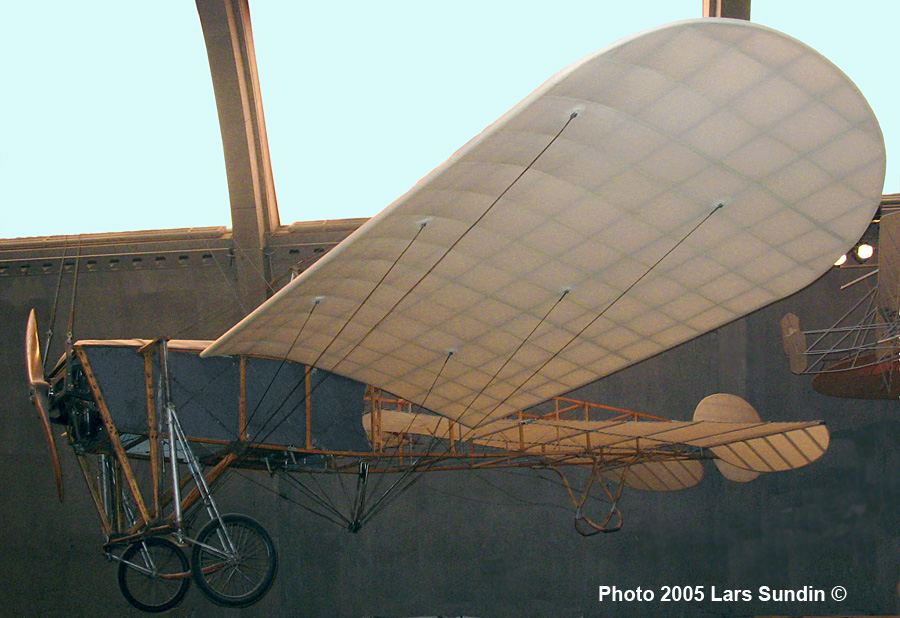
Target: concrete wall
{"x":489,"y":544}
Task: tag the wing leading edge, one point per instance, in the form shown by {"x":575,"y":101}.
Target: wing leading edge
{"x":654,"y":191}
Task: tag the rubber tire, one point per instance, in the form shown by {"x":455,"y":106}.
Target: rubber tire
{"x":160,"y":547}
{"x":247,"y":534}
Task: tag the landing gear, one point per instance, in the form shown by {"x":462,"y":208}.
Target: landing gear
{"x":234,"y":560}
{"x":154,"y":574}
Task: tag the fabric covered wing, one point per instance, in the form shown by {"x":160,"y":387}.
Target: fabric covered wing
{"x":580,"y":233}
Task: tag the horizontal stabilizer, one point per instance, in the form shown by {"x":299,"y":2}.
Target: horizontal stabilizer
{"x":777,"y":452}
{"x":748,"y":444}
{"x":723,"y":407}
{"x":743,"y":457}
{"x":669,"y":475}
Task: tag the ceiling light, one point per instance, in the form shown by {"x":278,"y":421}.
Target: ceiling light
{"x":865,"y":251}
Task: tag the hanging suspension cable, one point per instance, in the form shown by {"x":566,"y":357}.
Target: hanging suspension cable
{"x":256,"y":269}
{"x":52,"y":324}
{"x":70,"y":334}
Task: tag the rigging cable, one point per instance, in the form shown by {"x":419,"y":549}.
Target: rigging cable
{"x":70,"y":334}
{"x":599,"y":315}
{"x":329,"y":517}
{"x":411,"y":474}
{"x":284,"y":359}
{"x":315,"y":363}
{"x":52,"y":324}
{"x":516,"y":351}
{"x":465,"y":233}
{"x":572,"y":116}
{"x":356,"y":311}
{"x":408,"y":472}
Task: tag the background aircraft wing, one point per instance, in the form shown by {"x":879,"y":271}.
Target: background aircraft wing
{"x":582,"y":233}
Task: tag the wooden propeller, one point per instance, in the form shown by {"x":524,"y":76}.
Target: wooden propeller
{"x":40,"y":393}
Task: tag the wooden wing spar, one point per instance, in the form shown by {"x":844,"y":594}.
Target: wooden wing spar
{"x":656,"y":190}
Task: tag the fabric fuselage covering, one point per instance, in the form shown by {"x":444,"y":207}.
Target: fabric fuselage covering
{"x":206,"y":396}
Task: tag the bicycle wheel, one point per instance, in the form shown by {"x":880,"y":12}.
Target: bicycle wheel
{"x":154,"y":574}
{"x":234,"y":560}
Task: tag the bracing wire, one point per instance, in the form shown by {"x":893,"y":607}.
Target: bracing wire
{"x":522,"y":343}
{"x":52,"y":324}
{"x":361,"y":508}
{"x":571,"y":340}
{"x":284,"y":359}
{"x":417,"y":462}
{"x":437,"y":376}
{"x":429,"y":270}
{"x":459,"y":239}
{"x":332,"y":515}
{"x":421,"y":226}
{"x":315,"y":363}
{"x":594,"y":320}
{"x":71,"y":333}
{"x":407,"y":477}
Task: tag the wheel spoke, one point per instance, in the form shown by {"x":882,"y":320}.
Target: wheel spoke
{"x":244,"y":576}
{"x":154,"y":574}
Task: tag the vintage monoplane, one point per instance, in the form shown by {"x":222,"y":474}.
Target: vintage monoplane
{"x":650,"y":193}
{"x":858,"y":356}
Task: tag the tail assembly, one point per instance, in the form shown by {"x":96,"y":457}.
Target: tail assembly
{"x":785,"y":447}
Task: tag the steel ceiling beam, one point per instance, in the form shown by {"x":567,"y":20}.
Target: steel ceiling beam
{"x":735,"y":9}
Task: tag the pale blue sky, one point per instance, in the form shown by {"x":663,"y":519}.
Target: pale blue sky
{"x":109,"y":120}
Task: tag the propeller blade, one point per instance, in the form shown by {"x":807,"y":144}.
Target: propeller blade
{"x":40,"y":393}
{"x":33,"y":364}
